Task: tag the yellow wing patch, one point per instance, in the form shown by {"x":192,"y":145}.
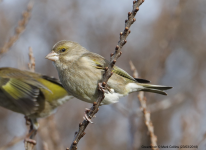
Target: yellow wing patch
{"x":57,"y":91}
{"x":18,"y":89}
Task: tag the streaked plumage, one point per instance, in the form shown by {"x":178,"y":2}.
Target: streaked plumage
{"x":80,"y":71}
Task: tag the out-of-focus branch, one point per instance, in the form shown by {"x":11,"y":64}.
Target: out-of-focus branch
{"x":167,"y":103}
{"x":13,"y":142}
{"x":31,"y":64}
{"x":16,"y":140}
{"x":108,"y":73}
{"x":30,"y":143}
{"x":54,"y":134}
{"x":45,"y":146}
{"x":148,"y":121}
{"x":19,"y":29}
{"x":146,"y":113}
{"x":134,"y":70}
{"x":157,"y":106}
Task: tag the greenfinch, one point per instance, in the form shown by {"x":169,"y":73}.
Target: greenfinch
{"x":31,"y":94}
{"x":80,"y":71}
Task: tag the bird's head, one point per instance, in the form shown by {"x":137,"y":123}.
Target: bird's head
{"x":61,"y":50}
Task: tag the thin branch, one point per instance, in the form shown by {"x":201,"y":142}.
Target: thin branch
{"x":146,"y":113}
{"x":31,"y":63}
{"x":134,"y":70}
{"x":13,"y":142}
{"x":148,"y":121}
{"x":30,"y":143}
{"x":45,"y":146}
{"x":167,"y":103}
{"x":108,"y":73}
{"x":19,"y":29}
{"x":54,"y":134}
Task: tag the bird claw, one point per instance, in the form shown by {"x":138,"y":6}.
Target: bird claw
{"x":104,"y":89}
{"x":85,"y":117}
{"x":27,"y":140}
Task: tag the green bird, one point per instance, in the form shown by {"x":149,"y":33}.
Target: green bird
{"x":31,"y":94}
{"x":80,"y":71}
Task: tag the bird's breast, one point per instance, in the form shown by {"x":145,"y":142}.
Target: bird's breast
{"x":81,"y":83}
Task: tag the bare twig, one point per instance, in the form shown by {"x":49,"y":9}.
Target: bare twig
{"x":167,"y":103}
{"x":13,"y":142}
{"x":54,"y":134}
{"x":16,"y":140}
{"x":135,"y":73}
{"x":19,"y":29}
{"x":148,"y":121}
{"x":146,"y":113}
{"x":31,"y":64}
{"x":29,"y":143}
{"x":108,"y":73}
{"x":45,"y":146}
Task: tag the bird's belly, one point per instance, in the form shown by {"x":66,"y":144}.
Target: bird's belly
{"x":82,"y":86}
{"x":111,"y":97}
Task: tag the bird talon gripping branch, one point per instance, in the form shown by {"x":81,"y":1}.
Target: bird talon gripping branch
{"x":86,"y":117}
{"x":30,"y":141}
{"x":103,"y":87}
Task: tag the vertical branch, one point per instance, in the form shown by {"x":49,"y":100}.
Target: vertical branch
{"x":14,"y":141}
{"x":19,"y":29}
{"x":148,"y":121}
{"x":52,"y":125}
{"x":31,"y":64}
{"x":29,"y":143}
{"x":108,"y":73}
{"x":146,"y":113}
{"x":55,"y":138}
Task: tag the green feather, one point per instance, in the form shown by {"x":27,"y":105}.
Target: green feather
{"x":29,"y":93}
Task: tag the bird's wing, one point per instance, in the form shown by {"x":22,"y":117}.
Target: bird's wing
{"x":52,"y":79}
{"x":100,"y":62}
{"x":24,"y":76}
{"x":21,"y":89}
{"x":22,"y":94}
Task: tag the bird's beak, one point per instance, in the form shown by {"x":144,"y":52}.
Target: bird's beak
{"x":52,"y":56}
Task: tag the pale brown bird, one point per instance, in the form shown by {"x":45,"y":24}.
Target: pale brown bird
{"x":80,"y":71}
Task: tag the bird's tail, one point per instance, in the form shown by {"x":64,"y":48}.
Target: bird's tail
{"x":155,"y":88}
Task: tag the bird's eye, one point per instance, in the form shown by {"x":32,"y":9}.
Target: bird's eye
{"x":63,"y":50}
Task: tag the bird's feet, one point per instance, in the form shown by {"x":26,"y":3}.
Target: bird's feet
{"x":86,"y":117}
{"x":28,"y":120}
{"x":29,"y":143}
{"x":103,"y":87}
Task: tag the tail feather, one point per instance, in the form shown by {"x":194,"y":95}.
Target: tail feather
{"x":155,"y":88}
{"x":154,"y":91}
{"x":158,"y":87}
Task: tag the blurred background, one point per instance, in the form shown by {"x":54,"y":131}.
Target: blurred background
{"x":167,"y":45}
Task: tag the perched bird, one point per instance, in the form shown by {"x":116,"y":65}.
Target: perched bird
{"x":80,"y":71}
{"x":31,"y":94}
